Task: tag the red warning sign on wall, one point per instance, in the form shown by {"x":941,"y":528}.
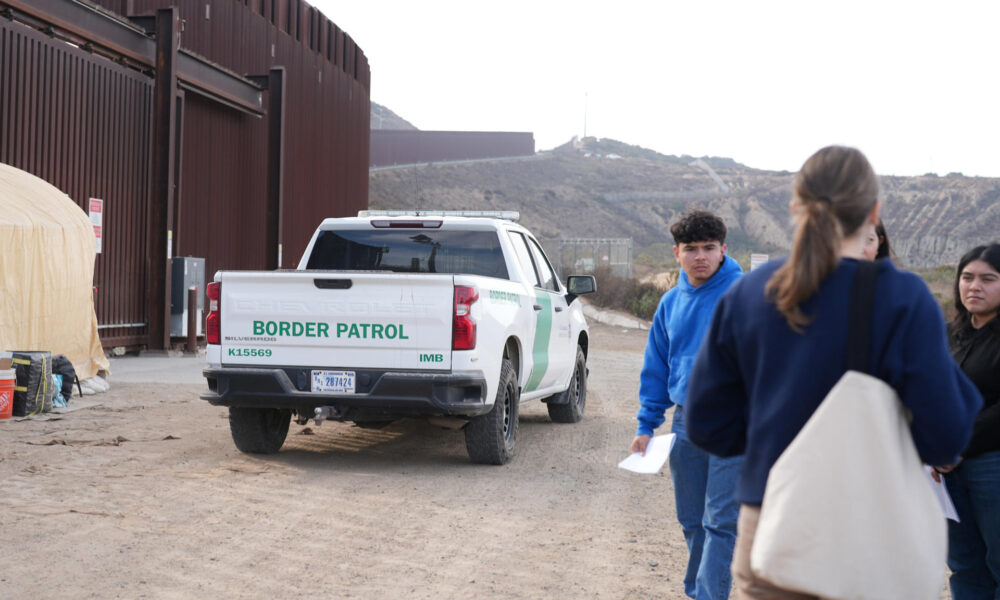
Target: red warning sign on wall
{"x":97,"y":220}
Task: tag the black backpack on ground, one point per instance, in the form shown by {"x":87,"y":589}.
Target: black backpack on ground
{"x":62,"y":366}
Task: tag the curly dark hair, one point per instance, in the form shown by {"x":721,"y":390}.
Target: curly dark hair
{"x":698,"y":225}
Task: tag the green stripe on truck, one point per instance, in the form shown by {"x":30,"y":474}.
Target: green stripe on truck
{"x":540,"y":349}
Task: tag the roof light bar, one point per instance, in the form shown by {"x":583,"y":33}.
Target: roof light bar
{"x":507,"y":215}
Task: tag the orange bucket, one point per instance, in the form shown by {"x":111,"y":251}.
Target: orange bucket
{"x":7,"y":379}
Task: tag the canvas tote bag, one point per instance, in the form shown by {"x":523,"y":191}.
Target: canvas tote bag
{"x":848,"y":511}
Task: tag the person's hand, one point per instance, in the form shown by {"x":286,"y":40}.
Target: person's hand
{"x":937,"y":471}
{"x":640,"y":442}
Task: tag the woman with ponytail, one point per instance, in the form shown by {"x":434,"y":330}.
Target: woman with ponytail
{"x":778,"y":343}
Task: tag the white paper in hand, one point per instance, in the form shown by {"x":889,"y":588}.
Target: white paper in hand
{"x":941,"y":492}
{"x":657,"y":451}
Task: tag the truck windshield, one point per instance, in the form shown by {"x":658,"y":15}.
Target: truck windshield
{"x":410,"y":251}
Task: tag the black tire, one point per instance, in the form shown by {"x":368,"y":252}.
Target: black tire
{"x":490,"y":438}
{"x":259,"y":430}
{"x":573,"y":401}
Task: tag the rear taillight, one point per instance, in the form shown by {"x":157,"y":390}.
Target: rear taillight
{"x":463,"y":330}
{"x":213,"y":323}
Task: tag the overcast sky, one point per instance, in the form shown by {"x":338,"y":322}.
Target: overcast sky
{"x":912,"y":84}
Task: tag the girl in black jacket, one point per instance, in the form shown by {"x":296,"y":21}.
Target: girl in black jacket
{"x":974,"y":484}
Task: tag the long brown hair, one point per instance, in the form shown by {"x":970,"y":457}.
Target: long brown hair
{"x":835,"y":190}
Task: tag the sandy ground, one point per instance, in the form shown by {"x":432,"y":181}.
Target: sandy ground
{"x":145,"y":496}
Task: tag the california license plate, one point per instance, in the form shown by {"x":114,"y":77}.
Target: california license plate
{"x":334,"y":382}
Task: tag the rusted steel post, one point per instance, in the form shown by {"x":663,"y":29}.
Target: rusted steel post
{"x":193,"y":315}
{"x":161,"y":210}
{"x":274,"y":83}
{"x":275,"y":165}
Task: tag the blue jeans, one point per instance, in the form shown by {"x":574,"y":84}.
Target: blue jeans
{"x":974,"y":544}
{"x":707,"y":511}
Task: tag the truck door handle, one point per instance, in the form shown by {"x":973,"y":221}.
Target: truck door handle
{"x":537,"y":306}
{"x":558,"y":309}
{"x":333,"y":284}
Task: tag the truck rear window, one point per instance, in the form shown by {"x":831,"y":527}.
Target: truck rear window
{"x":410,"y":251}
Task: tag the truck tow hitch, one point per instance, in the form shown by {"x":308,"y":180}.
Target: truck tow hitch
{"x":326,"y":412}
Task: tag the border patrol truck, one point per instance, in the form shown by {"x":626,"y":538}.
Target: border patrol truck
{"x":452,"y":315}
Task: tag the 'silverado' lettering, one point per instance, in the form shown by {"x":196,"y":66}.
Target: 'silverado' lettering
{"x":366,"y":331}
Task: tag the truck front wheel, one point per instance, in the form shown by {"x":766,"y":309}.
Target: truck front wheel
{"x":259,"y":430}
{"x":490,"y":438}
{"x":570,"y":405}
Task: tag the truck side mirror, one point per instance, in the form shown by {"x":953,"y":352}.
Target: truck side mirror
{"x":577,"y":285}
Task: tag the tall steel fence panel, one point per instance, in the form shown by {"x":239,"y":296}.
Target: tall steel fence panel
{"x":581,"y":256}
{"x":82,"y":123}
{"x":79,"y":115}
{"x":222,"y":203}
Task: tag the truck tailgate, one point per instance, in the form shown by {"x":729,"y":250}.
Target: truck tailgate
{"x":348,"y":320}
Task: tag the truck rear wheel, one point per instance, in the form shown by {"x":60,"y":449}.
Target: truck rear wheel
{"x":490,"y":438}
{"x":572,"y":402}
{"x":258,"y":430}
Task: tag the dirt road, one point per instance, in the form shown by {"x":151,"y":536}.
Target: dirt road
{"x":145,"y":496}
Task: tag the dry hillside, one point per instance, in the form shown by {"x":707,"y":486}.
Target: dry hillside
{"x":383,"y":118}
{"x":603,"y":188}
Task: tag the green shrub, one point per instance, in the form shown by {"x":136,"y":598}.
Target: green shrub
{"x":645,"y":301}
{"x":627,"y":295}
{"x":612,"y":290}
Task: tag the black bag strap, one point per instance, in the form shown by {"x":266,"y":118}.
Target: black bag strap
{"x":859,"y":316}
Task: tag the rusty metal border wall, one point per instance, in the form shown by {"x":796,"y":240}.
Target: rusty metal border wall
{"x":404,"y":146}
{"x":326,"y":128}
{"x":82,"y":123}
{"x":91,"y":136}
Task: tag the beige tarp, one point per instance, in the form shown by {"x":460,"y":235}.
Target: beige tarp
{"x":47,"y":251}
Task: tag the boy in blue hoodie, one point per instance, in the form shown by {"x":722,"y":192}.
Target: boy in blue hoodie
{"x":703,"y":484}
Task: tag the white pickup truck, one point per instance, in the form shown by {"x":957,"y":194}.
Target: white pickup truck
{"x":388,"y":315}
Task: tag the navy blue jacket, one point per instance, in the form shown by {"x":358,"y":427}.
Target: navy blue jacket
{"x":756,"y":382}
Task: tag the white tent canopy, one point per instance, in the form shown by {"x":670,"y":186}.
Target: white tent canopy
{"x":47,"y":252}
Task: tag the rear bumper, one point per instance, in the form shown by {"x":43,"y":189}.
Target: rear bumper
{"x":379,"y":395}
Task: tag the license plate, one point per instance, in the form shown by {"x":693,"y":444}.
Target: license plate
{"x":336,"y":382}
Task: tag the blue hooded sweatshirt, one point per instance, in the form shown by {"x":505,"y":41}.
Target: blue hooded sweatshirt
{"x":679,"y":326}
